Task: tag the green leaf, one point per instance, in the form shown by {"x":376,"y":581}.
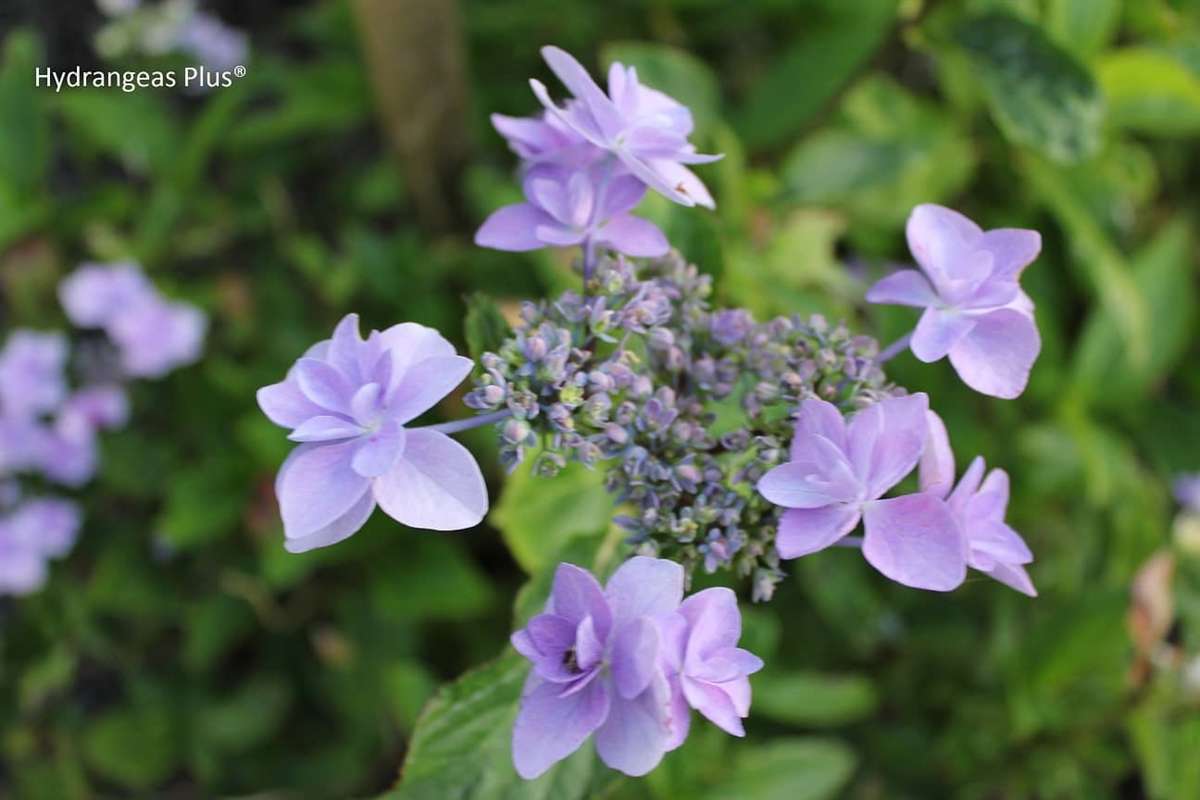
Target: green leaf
{"x":1162,"y":273}
{"x":811,"y":698}
{"x":461,"y":747}
{"x":133,"y":128}
{"x":484,"y":326}
{"x":786,"y":769}
{"x":837,"y":39}
{"x":1083,"y":26}
{"x":675,"y":72}
{"x":204,"y":503}
{"x":245,"y":718}
{"x":24,"y":134}
{"x":887,"y":152}
{"x":1039,"y":95}
{"x":135,"y":747}
{"x":1150,"y":92}
{"x":537,"y":516}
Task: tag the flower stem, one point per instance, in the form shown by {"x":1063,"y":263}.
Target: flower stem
{"x":849,"y":541}
{"x":894,"y":349}
{"x":471,"y":422}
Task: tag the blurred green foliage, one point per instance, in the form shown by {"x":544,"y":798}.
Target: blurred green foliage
{"x":180,"y":651}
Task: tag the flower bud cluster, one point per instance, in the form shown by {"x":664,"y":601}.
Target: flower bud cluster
{"x":685,"y":407}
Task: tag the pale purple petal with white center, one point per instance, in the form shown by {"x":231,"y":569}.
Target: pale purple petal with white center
{"x":914,"y":540}
{"x":936,"y":468}
{"x":549,"y":727}
{"x":885,"y":441}
{"x":375,"y":453}
{"x":634,"y":737}
{"x":995,"y":358}
{"x":806,"y":530}
{"x":906,"y":287}
{"x":435,"y":484}
{"x":339,"y":529}
{"x":644,"y":586}
{"x":317,"y":486}
{"x":937,"y":331}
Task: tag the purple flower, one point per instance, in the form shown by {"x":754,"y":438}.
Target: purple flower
{"x":95,"y":293}
{"x":347,"y":401}
{"x":596,"y":668}
{"x":37,"y":530}
{"x":101,"y":406}
{"x":978,"y":507}
{"x":212,"y":43}
{"x":579,"y":207}
{"x":837,"y":475}
{"x":644,"y":128}
{"x":546,"y":140}
{"x":975,"y":311}
{"x":707,"y":670}
{"x":155,"y":336}
{"x":1187,"y":491}
{"x":31,"y":373}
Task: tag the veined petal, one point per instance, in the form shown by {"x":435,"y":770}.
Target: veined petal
{"x":996,"y":356}
{"x":634,"y":657}
{"x":285,"y":405}
{"x":513,"y":228}
{"x":1014,"y":576}
{"x":575,"y":595}
{"x":1012,"y":250}
{"x":580,"y":83}
{"x":425,"y":383}
{"x":936,"y":468}
{"x":375,"y":454}
{"x":806,"y":530}
{"x":797,"y":484}
{"x":819,"y":418}
{"x":324,"y":429}
{"x":344,"y":348}
{"x":914,"y":540}
{"x":341,"y":528}
{"x":937,"y":331}
{"x":712,"y":701}
{"x":435,"y":484}
{"x":938,"y":237}
{"x":906,"y":287}
{"x":324,"y":385}
{"x":623,"y":193}
{"x":316,"y":486}
{"x":635,"y":736}
{"x":644,"y":586}
{"x":714,"y":622}
{"x":549,"y":727}
{"x":997,"y":541}
{"x":633,"y":236}
{"x":410,"y":343}
{"x":886,"y":439}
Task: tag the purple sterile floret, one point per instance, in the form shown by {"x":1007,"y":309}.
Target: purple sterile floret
{"x":625,"y":662}
{"x":574,"y":207}
{"x":1187,"y":491}
{"x":646,"y":130}
{"x":978,"y":505}
{"x":37,"y":530}
{"x":837,"y":474}
{"x":975,"y":310}
{"x":347,"y":401}
{"x":32,"y":380}
{"x":95,"y":293}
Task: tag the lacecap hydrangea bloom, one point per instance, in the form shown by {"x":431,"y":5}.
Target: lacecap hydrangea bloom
{"x":975,"y":311}
{"x":626,"y":663}
{"x":348,"y":401}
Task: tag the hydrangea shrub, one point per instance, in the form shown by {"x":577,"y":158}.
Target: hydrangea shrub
{"x":729,"y":444}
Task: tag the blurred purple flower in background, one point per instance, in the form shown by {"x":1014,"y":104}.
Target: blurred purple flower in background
{"x":978,"y":505}
{"x":32,"y":378}
{"x":1187,"y":491}
{"x":35,"y":531}
{"x":975,"y":311}
{"x":625,"y":662}
{"x":347,"y":401}
{"x":837,"y":475}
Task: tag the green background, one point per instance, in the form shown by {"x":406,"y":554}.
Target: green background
{"x":180,"y":652}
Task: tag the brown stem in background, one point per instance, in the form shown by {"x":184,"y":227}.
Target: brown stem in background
{"x":416,"y":58}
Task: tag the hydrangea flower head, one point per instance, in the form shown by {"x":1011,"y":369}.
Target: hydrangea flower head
{"x":32,"y":381}
{"x":836,"y":476}
{"x":644,"y":128}
{"x":347,"y":402}
{"x":574,"y":207}
{"x":978,"y":504}
{"x":626,"y":662}
{"x":975,"y":311}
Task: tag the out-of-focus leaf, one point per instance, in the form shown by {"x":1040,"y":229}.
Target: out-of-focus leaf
{"x":838,"y":39}
{"x":244,"y":718}
{"x":1039,"y":95}
{"x":812,"y":698}
{"x":537,"y":516}
{"x":675,"y":72}
{"x":1151,"y":92}
{"x":1083,"y":26}
{"x":136,"y":747}
{"x":432,"y":579}
{"x":786,"y":769}
{"x":24,"y":140}
{"x":203,"y":504}
{"x":462,"y":744}
{"x":1166,"y":744}
{"x":887,"y":152}
{"x":1163,"y":274}
{"x":134,"y":128}
{"x":484,"y":326}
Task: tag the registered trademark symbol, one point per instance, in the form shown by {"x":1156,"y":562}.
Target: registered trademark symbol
{"x":239,"y":71}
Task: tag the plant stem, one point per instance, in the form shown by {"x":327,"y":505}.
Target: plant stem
{"x":894,"y":349}
{"x":469,"y":423}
